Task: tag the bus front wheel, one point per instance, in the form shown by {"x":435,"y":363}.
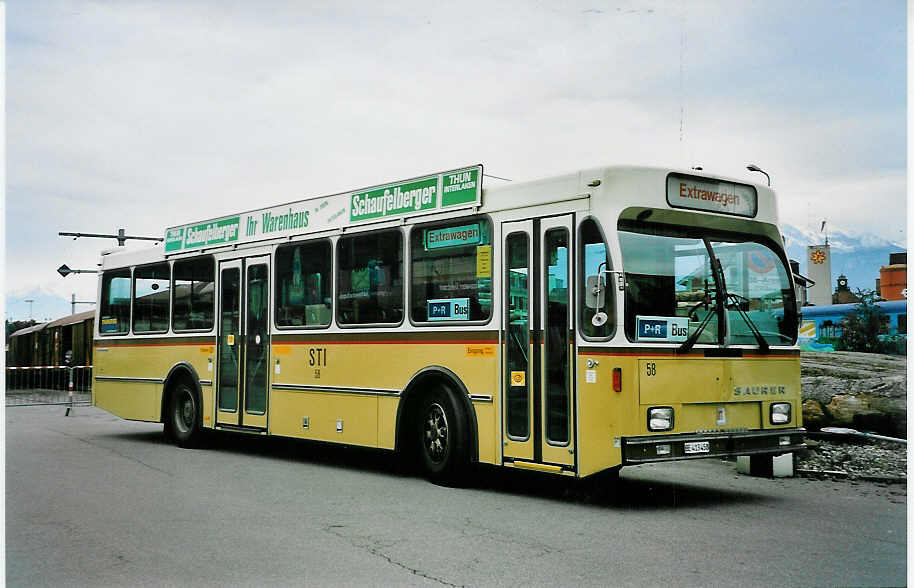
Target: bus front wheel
{"x":182,"y":418}
{"x":442,"y":437}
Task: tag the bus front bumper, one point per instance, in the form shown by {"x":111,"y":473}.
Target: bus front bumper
{"x":654,"y":448}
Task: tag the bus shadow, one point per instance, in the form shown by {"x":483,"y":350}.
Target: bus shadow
{"x":308,"y":451}
{"x":623,"y":492}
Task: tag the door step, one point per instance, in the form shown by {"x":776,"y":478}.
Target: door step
{"x":241,"y":429}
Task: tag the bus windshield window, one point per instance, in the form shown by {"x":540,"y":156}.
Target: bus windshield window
{"x":758,"y":285}
{"x":114,"y":315}
{"x":450,"y":278}
{"x":670,"y":275}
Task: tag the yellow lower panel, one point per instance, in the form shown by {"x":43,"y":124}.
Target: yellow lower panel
{"x":603,"y":413}
{"x":518,"y":449}
{"x":485,"y":427}
{"x":387,"y":421}
{"x":138,"y":401}
{"x":359,"y":416}
{"x":207,"y":405}
{"x":724,"y":416}
{"x":563,"y":454}
{"x":670,"y":381}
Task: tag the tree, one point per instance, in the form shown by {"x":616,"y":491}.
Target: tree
{"x":861,"y":328}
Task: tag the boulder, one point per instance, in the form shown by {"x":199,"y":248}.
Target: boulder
{"x":865,"y":391}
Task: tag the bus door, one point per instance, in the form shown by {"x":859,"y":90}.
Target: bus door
{"x":538,"y":353}
{"x":243,"y":378}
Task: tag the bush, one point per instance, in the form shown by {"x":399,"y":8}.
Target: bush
{"x":866,"y":327}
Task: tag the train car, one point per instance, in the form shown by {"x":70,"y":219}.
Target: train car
{"x":823,"y":323}
{"x":36,"y":355}
{"x":24,"y":346}
{"x":46,"y":344}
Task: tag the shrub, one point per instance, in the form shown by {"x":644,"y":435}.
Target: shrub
{"x":861,"y":329}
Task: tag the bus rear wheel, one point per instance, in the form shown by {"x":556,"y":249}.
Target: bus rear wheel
{"x":442,"y":437}
{"x":182,"y":417}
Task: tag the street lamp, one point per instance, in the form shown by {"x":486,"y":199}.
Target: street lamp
{"x":755,"y":168}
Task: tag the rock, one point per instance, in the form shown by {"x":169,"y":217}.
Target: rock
{"x":843,"y":407}
{"x":866,"y":391}
{"x":813,"y":415}
{"x":867,"y":459}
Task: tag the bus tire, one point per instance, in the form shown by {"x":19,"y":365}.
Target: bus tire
{"x":442,"y":440}
{"x":182,"y":414}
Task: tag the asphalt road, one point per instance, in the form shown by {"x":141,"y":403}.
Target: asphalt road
{"x":95,"y":500}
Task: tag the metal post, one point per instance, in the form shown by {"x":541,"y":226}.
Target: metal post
{"x":68,"y":359}
{"x":71,"y":410}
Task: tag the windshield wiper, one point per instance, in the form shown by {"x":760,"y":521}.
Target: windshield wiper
{"x":762,"y":343}
{"x":690,"y":342}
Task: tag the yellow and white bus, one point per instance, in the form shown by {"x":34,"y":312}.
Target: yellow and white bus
{"x":572,"y":325}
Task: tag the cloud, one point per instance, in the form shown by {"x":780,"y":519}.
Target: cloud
{"x":148,"y":114}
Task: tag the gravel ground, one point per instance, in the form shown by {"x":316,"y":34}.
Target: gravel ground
{"x":864,"y":459}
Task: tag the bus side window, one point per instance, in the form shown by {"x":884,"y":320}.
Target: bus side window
{"x":151,"y":298}
{"x":303,"y":284}
{"x":194,"y":281}
{"x":595,"y":259}
{"x":370,"y":278}
{"x":449,"y":271}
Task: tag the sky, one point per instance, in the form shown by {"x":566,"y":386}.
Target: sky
{"x":143,"y":115}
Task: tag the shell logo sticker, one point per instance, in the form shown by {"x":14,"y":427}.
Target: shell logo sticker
{"x":760,"y":263}
{"x":518,"y":378}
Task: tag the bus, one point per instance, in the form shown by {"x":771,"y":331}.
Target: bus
{"x":572,"y":325}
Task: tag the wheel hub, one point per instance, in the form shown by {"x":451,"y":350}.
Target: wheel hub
{"x":185,"y":411}
{"x":436,"y":433}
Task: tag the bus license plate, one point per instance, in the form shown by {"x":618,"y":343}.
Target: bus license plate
{"x":698,"y":447}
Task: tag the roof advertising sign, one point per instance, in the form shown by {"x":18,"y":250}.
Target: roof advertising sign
{"x":452,"y":189}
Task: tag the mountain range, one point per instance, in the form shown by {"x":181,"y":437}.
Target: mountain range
{"x":853,"y":254}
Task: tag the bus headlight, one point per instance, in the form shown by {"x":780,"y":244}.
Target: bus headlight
{"x":780,"y":413}
{"x":660,"y":418}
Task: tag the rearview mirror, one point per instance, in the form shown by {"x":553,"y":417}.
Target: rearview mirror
{"x":595,"y":295}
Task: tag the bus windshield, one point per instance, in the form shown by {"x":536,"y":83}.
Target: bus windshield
{"x":670,"y":276}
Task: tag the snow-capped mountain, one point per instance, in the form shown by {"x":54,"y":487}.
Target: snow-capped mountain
{"x":856,"y":255}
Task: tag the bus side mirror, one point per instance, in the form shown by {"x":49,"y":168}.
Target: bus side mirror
{"x":595,"y":296}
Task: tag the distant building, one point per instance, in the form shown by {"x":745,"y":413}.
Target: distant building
{"x":893,"y":278}
{"x":801,"y":282}
{"x":843,"y":294}
{"x":818,"y":258}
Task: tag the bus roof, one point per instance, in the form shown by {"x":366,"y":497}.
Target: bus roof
{"x":459,"y":189}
